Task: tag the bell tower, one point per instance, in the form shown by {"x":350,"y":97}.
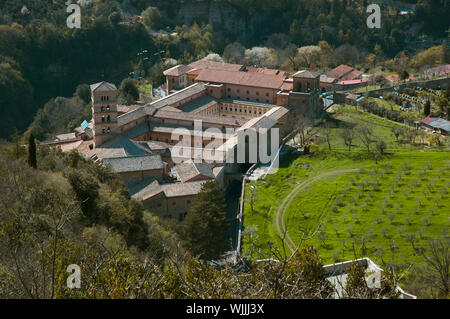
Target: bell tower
{"x":104,"y":111}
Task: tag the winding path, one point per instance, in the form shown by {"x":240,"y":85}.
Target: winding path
{"x":279,"y":216}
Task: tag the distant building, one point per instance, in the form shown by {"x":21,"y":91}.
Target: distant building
{"x":352,"y":84}
{"x":134,"y":169}
{"x":337,"y":275}
{"x":438,"y":124}
{"x":344,"y":73}
{"x":437,"y":71}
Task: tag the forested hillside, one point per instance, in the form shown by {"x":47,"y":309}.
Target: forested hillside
{"x":41,"y":58}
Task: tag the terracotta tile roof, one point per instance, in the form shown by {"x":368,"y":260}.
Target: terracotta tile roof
{"x":439,"y":70}
{"x":103,"y":86}
{"x":118,"y":146}
{"x":188,"y":170}
{"x":135,"y":163}
{"x":351,"y":76}
{"x":178,"y":96}
{"x":182,"y":189}
{"x":213,"y":65}
{"x":428,"y":120}
{"x":437,"y":123}
{"x":265,"y":71}
{"x":194,"y":72}
{"x":204,"y":118}
{"x":145,"y":189}
{"x":306,"y":74}
{"x":252,"y":79}
{"x":177,"y":70}
{"x":287,"y":86}
{"x":347,"y":82}
{"x":344,"y":72}
{"x":395,"y":78}
{"x":127,"y":108}
{"x":151,"y":187}
{"x":326,"y":79}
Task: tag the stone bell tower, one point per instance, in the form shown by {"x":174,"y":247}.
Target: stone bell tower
{"x":104,"y":111}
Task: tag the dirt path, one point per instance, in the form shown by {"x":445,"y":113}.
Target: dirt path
{"x":279,"y":217}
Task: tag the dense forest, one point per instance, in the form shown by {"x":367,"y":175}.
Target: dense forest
{"x":41,"y":58}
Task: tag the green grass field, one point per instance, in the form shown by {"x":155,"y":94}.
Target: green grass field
{"x":376,"y":212}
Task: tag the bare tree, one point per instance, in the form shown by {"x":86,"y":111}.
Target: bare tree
{"x":234,"y":53}
{"x":366,"y":136}
{"x":348,"y":134}
{"x":302,"y":125}
{"x":327,"y":134}
{"x":438,"y":261}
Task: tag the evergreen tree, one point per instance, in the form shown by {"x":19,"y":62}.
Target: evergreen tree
{"x":32,"y":151}
{"x":204,"y":228}
{"x":427,"y":108}
{"x":129,"y":90}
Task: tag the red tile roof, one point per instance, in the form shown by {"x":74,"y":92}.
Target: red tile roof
{"x":354,"y":81}
{"x":351,"y":76}
{"x":306,"y":74}
{"x":253,"y":79}
{"x":213,"y":65}
{"x":344,"y":72}
{"x":177,"y":70}
{"x":194,"y":72}
{"x":439,"y":70}
{"x":394,"y":77}
{"x":428,"y":120}
{"x":197,"y":66}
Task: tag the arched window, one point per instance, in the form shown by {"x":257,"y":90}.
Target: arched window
{"x":103,"y":118}
{"x":102,"y":108}
{"x":108,"y":118}
{"x":107,"y":107}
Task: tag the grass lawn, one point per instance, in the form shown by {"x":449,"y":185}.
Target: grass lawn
{"x":378,"y":208}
